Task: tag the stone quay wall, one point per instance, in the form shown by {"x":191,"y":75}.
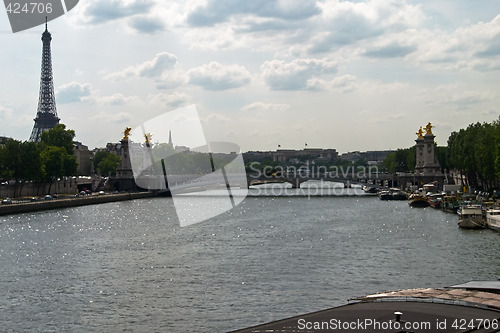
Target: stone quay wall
{"x":63,"y":186}
{"x":70,"y":202}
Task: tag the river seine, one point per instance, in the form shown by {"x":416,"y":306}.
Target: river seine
{"x":130,"y":267}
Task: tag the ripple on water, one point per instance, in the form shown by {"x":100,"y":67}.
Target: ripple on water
{"x":129,"y":266}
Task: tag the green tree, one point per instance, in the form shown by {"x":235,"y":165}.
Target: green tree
{"x":98,"y":157}
{"x":475,"y":151}
{"x":496,"y":144}
{"x":360,"y":163}
{"x":389,"y":163}
{"x":402,"y":160}
{"x":57,"y":162}
{"x":21,"y":161}
{"x":485,"y":156}
{"x":11,"y":160}
{"x":59,"y":136}
{"x":53,"y":161}
{"x":3,"y":167}
{"x":442,"y":157}
{"x":108,"y":164}
{"x":70,"y":165}
{"x":31,"y":160}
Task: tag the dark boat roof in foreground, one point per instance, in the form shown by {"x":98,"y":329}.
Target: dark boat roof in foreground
{"x":419,"y":310}
{"x":490,"y":286}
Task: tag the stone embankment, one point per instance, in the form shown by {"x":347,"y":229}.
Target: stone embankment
{"x":27,"y":207}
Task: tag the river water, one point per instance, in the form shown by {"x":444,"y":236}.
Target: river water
{"x":129,"y":266}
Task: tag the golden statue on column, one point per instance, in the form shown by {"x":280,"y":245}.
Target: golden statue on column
{"x":420,"y":133}
{"x":126,"y":133}
{"x":428,"y":129}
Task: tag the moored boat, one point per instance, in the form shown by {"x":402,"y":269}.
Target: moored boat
{"x":392,"y":194}
{"x":397,"y":311}
{"x":435,"y":200}
{"x":493,"y":219}
{"x":385,"y":195}
{"x":450,"y":204}
{"x":418,"y":201}
{"x":398,"y":195}
{"x":470,"y":217}
{"x":369,"y":189}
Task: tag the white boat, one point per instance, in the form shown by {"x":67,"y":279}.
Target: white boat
{"x":470,"y":217}
{"x":493,"y":219}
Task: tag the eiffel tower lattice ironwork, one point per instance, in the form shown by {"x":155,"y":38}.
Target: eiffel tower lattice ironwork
{"x":46,"y":116}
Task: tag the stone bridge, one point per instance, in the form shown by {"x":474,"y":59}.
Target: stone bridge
{"x":213,"y":180}
{"x":376,"y":180}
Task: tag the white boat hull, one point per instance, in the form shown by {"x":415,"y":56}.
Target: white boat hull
{"x":493,"y":219}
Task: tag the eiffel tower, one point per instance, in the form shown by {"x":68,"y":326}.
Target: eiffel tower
{"x":46,"y":116}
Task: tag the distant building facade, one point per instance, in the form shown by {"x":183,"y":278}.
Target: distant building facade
{"x":371,"y":157}
{"x":83,"y":158}
{"x":114,"y":148}
{"x":292,"y":155}
{"x":182,"y":149}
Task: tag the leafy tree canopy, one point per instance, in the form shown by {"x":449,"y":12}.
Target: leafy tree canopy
{"x":59,"y":136}
{"x":108,"y":164}
{"x":49,"y":159}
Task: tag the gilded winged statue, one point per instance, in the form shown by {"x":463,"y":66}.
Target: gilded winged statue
{"x":420,"y":133}
{"x":126,"y":133}
{"x":428,"y":129}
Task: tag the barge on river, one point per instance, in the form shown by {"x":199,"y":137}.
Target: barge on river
{"x":493,"y":219}
{"x":470,"y":217}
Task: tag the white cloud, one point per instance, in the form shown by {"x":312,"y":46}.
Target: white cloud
{"x":113,"y":117}
{"x":103,"y":11}
{"x":261,"y":106}
{"x":344,"y":84}
{"x":73,"y":92}
{"x":475,"y":47}
{"x":215,"y":117}
{"x":391,"y":50}
{"x":300,"y":74}
{"x":214,"y":76}
{"x":168,"y":100}
{"x":156,"y":67}
{"x":458,"y":96}
{"x":118,"y":99}
{"x":391,"y":57}
{"x":306,"y":27}
{"x":214,"y":11}
{"x":5,"y":113}
{"x":171,"y":79}
{"x":147,"y":24}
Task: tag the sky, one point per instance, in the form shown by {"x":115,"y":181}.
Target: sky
{"x":349,"y":75}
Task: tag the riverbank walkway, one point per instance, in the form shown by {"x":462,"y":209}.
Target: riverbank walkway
{"x":74,"y":201}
